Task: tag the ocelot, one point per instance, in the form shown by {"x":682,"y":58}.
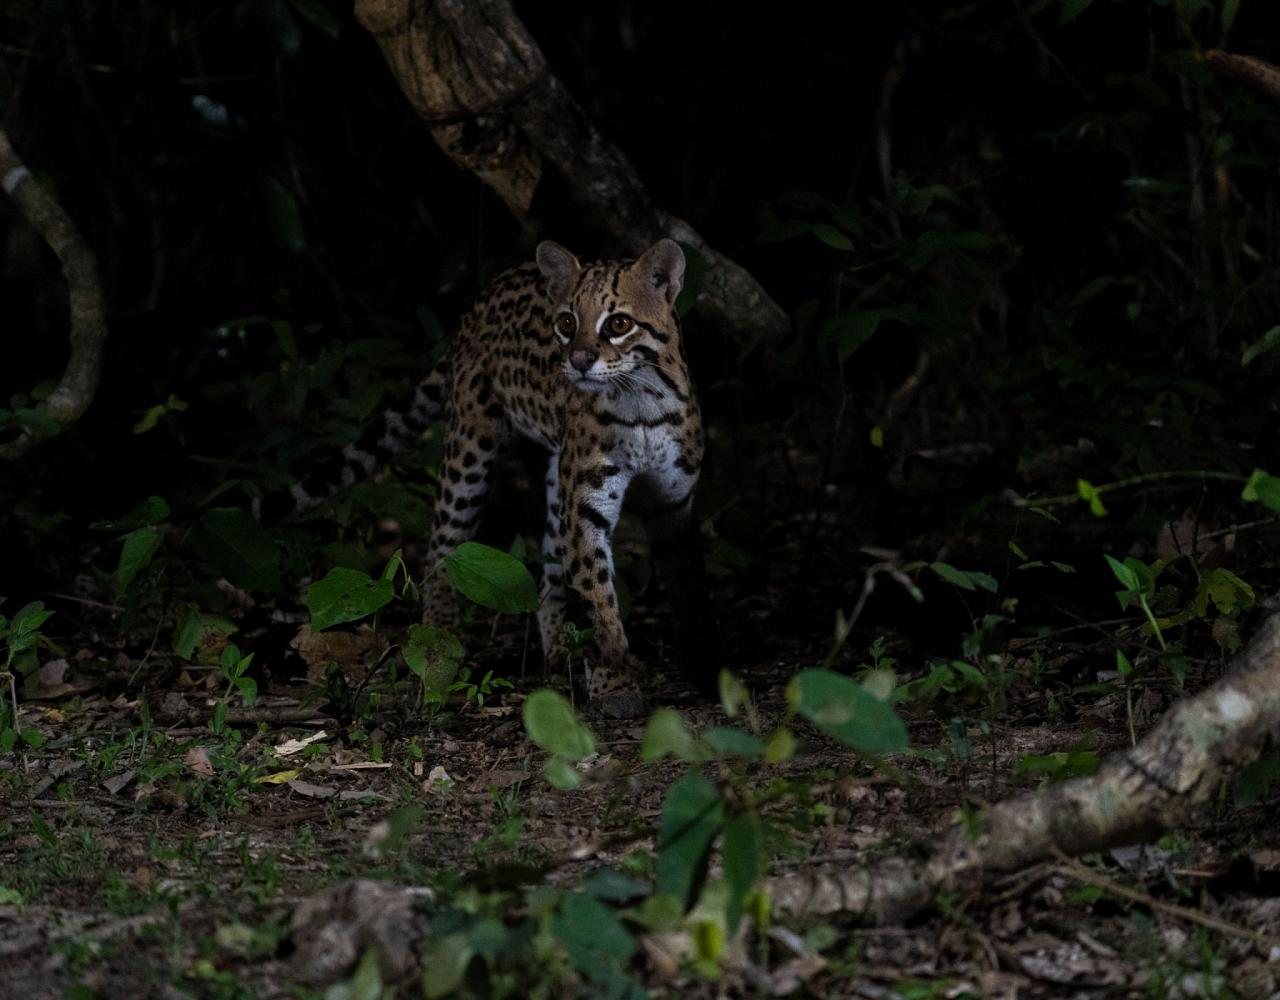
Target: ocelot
{"x":586,"y":361}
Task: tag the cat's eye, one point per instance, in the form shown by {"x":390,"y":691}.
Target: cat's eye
{"x":619,"y":324}
{"x":566,"y":324}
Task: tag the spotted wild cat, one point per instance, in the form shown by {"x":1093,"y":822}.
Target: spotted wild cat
{"x":586,"y":361}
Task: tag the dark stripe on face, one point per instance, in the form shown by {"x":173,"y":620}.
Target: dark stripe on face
{"x":656,"y":334}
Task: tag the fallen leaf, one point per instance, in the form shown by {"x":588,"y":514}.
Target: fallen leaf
{"x":279,"y":778}
{"x":312,"y":791}
{"x":116,"y":782}
{"x":198,"y":760}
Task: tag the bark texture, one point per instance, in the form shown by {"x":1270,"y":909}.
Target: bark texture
{"x":1257,"y":73}
{"x":478,"y":79}
{"x":88,"y":331}
{"x":1133,"y":798}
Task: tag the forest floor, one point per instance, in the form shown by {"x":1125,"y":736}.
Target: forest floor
{"x":148,"y":850}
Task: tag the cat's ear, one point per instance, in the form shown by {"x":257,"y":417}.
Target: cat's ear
{"x":662,"y":268}
{"x":559,"y":267}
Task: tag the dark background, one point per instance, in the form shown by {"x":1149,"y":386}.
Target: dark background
{"x":1080,"y":235}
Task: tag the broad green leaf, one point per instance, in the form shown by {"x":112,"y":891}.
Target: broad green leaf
{"x":843,"y":709}
{"x":35,"y":420}
{"x":345,"y":595}
{"x":319,"y":15}
{"x":692,"y":814}
{"x":781,"y":747}
{"x":742,"y":851}
{"x":1071,"y":9}
{"x":240,"y":547}
{"x":667,"y":734}
{"x":964,"y":579}
{"x":561,"y":774}
{"x":1269,"y":341}
{"x":140,"y":547}
{"x":552,"y":723}
{"x":28,"y":618}
{"x":607,"y":883}
{"x":445,"y":965}
{"x":1264,"y":489}
{"x":1123,"y":666}
{"x":1229,"y":10}
{"x":151,"y":511}
{"x":191,"y":625}
{"x":491,"y":578}
{"x":434,"y":655}
{"x":831,"y":236}
{"x":32,"y":738}
{"x":733,"y":694}
{"x":366,"y":983}
{"x":281,"y":211}
{"x":1135,"y":576}
{"x":10,"y":897}
{"x":597,"y":944}
{"x":728,"y":740}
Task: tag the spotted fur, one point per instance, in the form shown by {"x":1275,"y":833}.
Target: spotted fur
{"x":586,"y":361}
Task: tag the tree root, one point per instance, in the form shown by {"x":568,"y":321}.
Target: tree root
{"x":75,"y":391}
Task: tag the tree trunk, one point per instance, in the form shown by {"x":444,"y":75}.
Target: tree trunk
{"x":476,"y":76}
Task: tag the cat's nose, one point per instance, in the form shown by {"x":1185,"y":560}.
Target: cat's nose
{"x":582,"y":359}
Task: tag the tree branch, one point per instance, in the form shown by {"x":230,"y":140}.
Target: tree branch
{"x":1257,"y":73}
{"x":1133,"y":798}
{"x":88,"y":331}
{"x":473,"y":72}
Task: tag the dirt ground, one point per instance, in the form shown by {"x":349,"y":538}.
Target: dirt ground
{"x":143,"y":854}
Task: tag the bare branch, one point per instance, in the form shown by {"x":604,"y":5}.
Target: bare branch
{"x":1134,"y":797}
{"x":1257,"y":73}
{"x":474,"y":73}
{"x":88,"y":331}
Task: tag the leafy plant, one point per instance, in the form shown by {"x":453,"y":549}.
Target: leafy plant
{"x":19,"y":638}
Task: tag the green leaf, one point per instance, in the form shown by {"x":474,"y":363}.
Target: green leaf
{"x":445,"y":965}
{"x":190,"y":626}
{"x":965,"y":579}
{"x":240,"y":547}
{"x":667,"y":734}
{"x":10,"y":897}
{"x":597,"y":944}
{"x":366,"y":983}
{"x":491,"y":578}
{"x":733,"y":694}
{"x":28,"y":618}
{"x":781,"y":747}
{"x":1123,"y":666}
{"x":846,"y":711}
{"x":152,"y":417}
{"x":561,"y":774}
{"x":33,"y":738}
{"x":151,"y":511}
{"x":434,"y":655}
{"x":319,"y":15}
{"x":1135,"y":577}
{"x":727,"y":740}
{"x":1071,"y":9}
{"x":1229,"y":10}
{"x":552,"y":723}
{"x":139,"y":548}
{"x":345,"y":595}
{"x":281,"y":210}
{"x":36,"y":421}
{"x":742,"y":852}
{"x":607,"y":883}
{"x":1267,"y":342}
{"x":1264,"y":489}
{"x":1090,"y":495}
{"x":692,"y":814}
{"x":831,"y":236}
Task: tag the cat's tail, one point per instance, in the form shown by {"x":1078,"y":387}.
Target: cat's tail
{"x":394,"y":430}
